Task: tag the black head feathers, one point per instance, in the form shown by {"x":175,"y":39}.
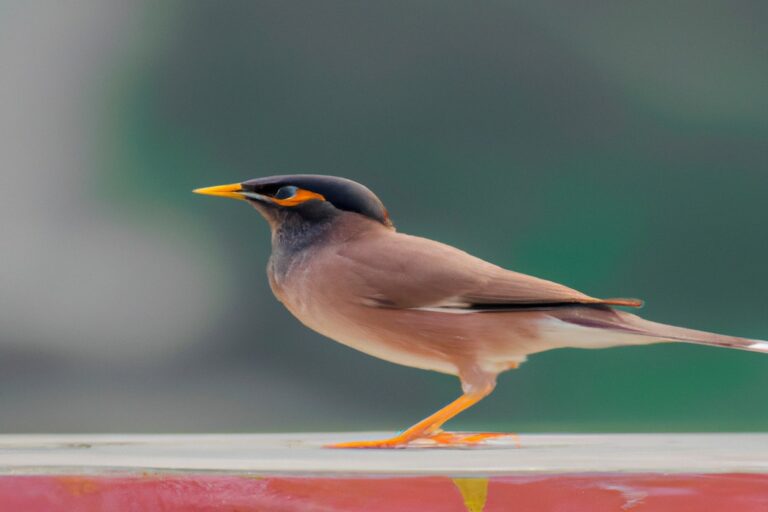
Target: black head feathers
{"x":342,"y":193}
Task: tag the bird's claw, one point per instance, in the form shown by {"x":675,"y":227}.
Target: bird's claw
{"x":438,"y":439}
{"x":470,"y":439}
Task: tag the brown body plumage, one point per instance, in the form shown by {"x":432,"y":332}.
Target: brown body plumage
{"x":340,"y":267}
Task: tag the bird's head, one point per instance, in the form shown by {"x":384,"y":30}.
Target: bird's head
{"x":306,"y":198}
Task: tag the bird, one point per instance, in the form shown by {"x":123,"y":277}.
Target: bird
{"x":342,"y":269}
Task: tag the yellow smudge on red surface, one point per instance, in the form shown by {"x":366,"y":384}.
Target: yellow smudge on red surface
{"x":474,"y":491}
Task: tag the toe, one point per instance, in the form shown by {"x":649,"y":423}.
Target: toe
{"x":470,"y":439}
{"x":380,"y":443}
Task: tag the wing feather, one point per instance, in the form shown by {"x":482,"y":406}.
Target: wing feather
{"x":408,"y":272}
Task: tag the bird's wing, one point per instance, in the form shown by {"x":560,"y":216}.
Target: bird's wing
{"x":402,"y":271}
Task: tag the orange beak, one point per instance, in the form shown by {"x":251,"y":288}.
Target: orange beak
{"x":232,"y":191}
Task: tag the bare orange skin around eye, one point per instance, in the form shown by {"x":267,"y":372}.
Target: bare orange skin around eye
{"x":301,"y":196}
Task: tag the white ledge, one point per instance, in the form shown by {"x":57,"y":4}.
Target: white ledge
{"x":303,"y":454}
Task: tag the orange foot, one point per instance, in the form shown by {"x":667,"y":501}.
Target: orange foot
{"x":439,"y":439}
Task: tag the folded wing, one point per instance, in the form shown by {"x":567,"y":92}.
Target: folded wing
{"x":407,"y":272}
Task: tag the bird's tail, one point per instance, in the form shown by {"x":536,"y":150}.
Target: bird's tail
{"x":643,"y":331}
{"x":673,"y":333}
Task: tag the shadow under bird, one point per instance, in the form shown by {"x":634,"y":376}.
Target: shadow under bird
{"x":340,"y":267}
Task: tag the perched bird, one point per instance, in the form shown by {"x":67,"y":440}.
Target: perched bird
{"x":340,"y":267}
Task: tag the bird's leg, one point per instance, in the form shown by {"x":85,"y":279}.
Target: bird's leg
{"x":471,"y":379}
{"x":429,"y":429}
{"x":425,"y":428}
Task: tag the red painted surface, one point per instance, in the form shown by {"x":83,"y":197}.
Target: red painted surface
{"x":562,"y":493}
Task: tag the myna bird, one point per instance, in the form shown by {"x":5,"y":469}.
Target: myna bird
{"x":340,"y":267}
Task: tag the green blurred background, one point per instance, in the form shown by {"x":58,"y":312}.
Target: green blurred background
{"x":617,"y":147}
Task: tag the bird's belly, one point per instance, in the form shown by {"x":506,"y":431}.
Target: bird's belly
{"x":442,"y":342}
{"x":395,"y":347}
{"x":415,"y":357}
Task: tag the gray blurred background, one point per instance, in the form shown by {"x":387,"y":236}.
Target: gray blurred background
{"x":618,"y":147}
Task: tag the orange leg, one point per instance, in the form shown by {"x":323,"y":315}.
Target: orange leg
{"x":429,"y":429}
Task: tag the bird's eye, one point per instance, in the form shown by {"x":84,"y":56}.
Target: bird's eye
{"x":286,"y":192}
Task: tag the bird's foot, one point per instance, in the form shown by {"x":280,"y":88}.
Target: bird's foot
{"x":471,"y":439}
{"x":438,"y":439}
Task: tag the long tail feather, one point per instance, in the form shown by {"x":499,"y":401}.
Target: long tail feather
{"x":674,"y":333}
{"x":645,"y":331}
